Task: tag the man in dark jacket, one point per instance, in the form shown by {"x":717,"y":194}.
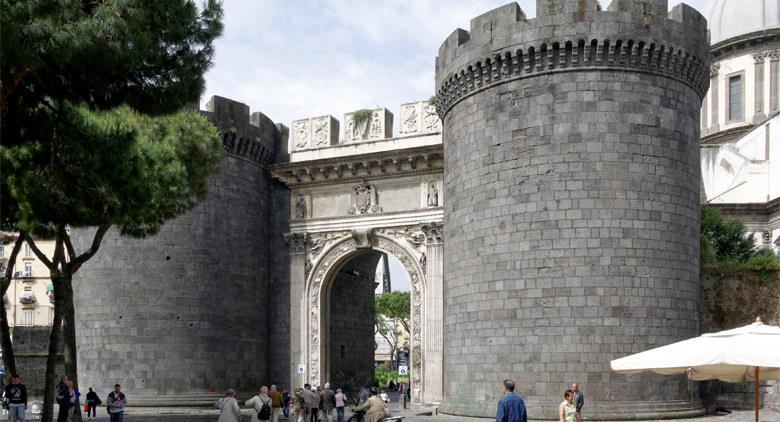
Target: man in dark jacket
{"x":16,"y":399}
{"x":579,"y":400}
{"x":511,"y":407}
{"x":328,"y":404}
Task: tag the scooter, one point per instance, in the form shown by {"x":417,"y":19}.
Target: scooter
{"x":360,"y":416}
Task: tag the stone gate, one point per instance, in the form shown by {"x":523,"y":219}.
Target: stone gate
{"x":352,"y":200}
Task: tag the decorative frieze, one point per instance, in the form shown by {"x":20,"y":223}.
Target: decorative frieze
{"x":378,"y":125}
{"x":315,"y":132}
{"x":419,"y":118}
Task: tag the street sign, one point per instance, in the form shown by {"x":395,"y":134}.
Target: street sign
{"x":403,"y":370}
{"x":301,"y":369}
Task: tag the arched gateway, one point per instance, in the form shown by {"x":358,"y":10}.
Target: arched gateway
{"x":350,"y":203}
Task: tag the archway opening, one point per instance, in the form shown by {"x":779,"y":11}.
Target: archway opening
{"x":355,"y":346}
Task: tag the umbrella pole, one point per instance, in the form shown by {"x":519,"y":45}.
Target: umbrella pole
{"x":757,"y":395}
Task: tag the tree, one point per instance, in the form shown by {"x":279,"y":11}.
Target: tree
{"x":93,"y":128}
{"x":7,"y":269}
{"x":723,"y":239}
{"x":390,"y":308}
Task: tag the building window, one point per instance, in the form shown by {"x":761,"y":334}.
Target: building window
{"x":27,"y":250}
{"x":27,"y":318}
{"x":27,"y":269}
{"x":735,"y":98}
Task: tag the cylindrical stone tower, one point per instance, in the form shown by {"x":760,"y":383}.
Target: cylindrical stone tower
{"x":183,"y":314}
{"x":571,"y":146}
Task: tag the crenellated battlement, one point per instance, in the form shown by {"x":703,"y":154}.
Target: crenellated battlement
{"x":253,"y":136}
{"x":573,"y":35}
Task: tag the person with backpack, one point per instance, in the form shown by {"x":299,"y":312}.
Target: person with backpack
{"x":116,"y":403}
{"x":262,"y":405}
{"x":93,"y":401}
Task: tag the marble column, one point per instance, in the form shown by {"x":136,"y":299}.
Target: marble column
{"x":715,"y":103}
{"x":297,"y":244}
{"x":433,"y":342}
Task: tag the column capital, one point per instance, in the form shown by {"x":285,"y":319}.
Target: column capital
{"x":758,"y":58}
{"x":434,"y":233}
{"x":714,"y":70}
{"x":296,"y":241}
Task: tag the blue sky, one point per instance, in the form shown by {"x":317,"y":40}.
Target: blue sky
{"x":300,"y":58}
{"x":293,"y":59}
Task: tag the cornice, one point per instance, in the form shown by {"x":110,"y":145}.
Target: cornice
{"x":374,"y":166}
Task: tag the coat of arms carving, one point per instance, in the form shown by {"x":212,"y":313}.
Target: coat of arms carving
{"x":364,"y":199}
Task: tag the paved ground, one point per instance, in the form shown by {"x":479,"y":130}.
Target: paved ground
{"x":739,"y":416}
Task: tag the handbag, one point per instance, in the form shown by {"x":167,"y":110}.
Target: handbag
{"x":86,"y":407}
{"x":386,"y":412}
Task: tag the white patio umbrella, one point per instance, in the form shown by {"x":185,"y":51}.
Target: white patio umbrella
{"x":743,"y":354}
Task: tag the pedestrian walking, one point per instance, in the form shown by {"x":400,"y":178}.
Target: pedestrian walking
{"x":511,"y":407}
{"x":309,"y":406}
{"x":228,"y":408}
{"x":315,"y":407}
{"x":15,"y":398}
{"x":65,"y":398}
{"x":261,"y":403}
{"x":286,"y":399}
{"x":328,"y":403}
{"x":93,"y":401}
{"x":374,"y":406}
{"x":297,"y":406}
{"x":579,"y":399}
{"x":341,"y":403}
{"x":75,"y":399}
{"x":116,"y":403}
{"x":276,"y":403}
{"x":567,"y":412}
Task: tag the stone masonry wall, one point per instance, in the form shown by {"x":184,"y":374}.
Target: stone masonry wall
{"x":733,"y":298}
{"x":31,"y":346}
{"x":351,"y":320}
{"x":571,"y":227}
{"x":185,"y":312}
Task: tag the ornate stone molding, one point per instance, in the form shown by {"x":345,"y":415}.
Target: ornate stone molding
{"x":383,"y":165}
{"x":434,"y":233}
{"x":553,"y":56}
{"x":335,"y":249}
{"x":296,"y":242}
{"x":714,"y":69}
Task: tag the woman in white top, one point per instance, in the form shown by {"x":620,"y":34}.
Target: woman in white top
{"x":567,"y":412}
{"x":228,"y":408}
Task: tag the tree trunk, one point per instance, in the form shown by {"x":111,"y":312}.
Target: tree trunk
{"x":51,"y":361}
{"x":69,"y":336}
{"x":9,"y":360}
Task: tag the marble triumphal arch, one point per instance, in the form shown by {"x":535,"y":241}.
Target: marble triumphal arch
{"x":354,"y":197}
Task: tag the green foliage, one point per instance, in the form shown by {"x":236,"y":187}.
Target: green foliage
{"x":383,"y":375}
{"x":92,"y":127}
{"x":117,"y":167}
{"x":726,"y":249}
{"x":723,"y":240}
{"x":395,"y":305}
{"x":361,"y":116}
{"x":432,"y":100}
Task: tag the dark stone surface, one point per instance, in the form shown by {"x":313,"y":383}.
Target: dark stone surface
{"x":571,"y":226}
{"x":187,"y":310}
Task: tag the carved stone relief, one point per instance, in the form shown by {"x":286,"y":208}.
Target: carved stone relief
{"x":301,"y":133}
{"x":419,"y":118}
{"x":364,"y":199}
{"x":300,"y":207}
{"x":315,"y":132}
{"x":378,"y":126}
{"x":433,"y":194}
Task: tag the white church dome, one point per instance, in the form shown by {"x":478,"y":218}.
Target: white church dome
{"x":731,"y":18}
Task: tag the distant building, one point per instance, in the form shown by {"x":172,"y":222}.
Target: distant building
{"x":740,"y":117}
{"x":383,"y":353}
{"x":29,"y":300}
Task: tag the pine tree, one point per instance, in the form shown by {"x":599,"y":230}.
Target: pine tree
{"x":95,"y":132}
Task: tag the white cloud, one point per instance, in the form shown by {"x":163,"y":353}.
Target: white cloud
{"x":294,"y":59}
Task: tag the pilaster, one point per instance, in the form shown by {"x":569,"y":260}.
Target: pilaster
{"x":434,"y":308}
{"x":297,"y":243}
